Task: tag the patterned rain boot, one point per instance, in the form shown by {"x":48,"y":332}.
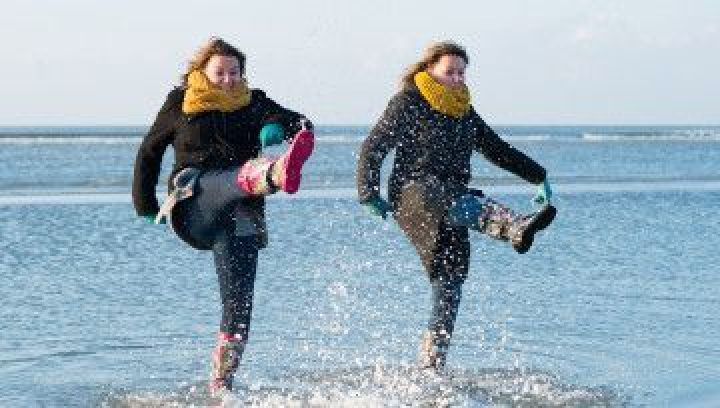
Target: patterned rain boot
{"x":225,"y":360}
{"x":499,"y":221}
{"x":522,"y":230}
{"x":263,"y":176}
{"x":432,"y":355}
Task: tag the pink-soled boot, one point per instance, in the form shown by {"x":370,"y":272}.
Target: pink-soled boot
{"x":264,"y":176}
{"x":225,"y":360}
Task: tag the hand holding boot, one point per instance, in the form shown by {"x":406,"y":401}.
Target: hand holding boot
{"x":544,"y":193}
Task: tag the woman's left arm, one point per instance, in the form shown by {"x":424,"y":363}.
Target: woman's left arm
{"x":275,"y":114}
{"x":505,"y":156}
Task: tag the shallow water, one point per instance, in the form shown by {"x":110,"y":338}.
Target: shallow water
{"x":615,"y":305}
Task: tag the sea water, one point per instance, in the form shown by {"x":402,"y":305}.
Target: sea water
{"x":616,"y":304}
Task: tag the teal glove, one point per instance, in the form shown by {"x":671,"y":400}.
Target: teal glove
{"x":378,"y":206}
{"x":150,"y":218}
{"x":271,"y":134}
{"x":544,"y":193}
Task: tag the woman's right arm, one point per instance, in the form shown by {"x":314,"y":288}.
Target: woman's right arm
{"x":383,"y":137}
{"x":149,"y":157}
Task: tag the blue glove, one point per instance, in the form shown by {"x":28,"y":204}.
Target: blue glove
{"x":271,"y":134}
{"x":150,"y":218}
{"x":378,"y":206}
{"x":544,"y":193}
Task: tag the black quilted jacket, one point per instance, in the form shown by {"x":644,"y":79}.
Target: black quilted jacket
{"x":208,"y":140}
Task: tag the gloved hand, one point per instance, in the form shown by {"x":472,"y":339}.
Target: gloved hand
{"x":271,"y":134}
{"x":544,"y":193}
{"x":378,"y":206}
{"x":150,"y":218}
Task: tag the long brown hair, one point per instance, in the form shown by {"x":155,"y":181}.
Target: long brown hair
{"x":214,"y":46}
{"x":432,"y":54}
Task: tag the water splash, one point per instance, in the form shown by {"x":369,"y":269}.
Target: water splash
{"x":382,"y":385}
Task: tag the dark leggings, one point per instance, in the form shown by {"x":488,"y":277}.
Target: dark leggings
{"x":214,"y":216}
{"x":420,"y":210}
{"x":448,"y":269}
{"x":236,"y":263}
{"x":446,"y":294}
{"x":445,"y":254}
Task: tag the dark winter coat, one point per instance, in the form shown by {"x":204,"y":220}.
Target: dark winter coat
{"x":210,"y":140}
{"x":431,"y":167}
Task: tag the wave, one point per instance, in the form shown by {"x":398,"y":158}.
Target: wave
{"x":341,"y":139}
{"x":129,"y":140}
{"x":533,"y":138}
{"x":688,"y":135}
{"x":113,"y":184}
{"x":38,"y":196}
{"x":356,"y":134}
{"x":76,"y":140}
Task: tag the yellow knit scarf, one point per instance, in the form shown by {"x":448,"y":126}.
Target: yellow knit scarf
{"x":202,"y":95}
{"x":451,"y":102}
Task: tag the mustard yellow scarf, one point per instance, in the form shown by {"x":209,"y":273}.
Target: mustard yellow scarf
{"x":202,"y":95}
{"x":451,"y":102}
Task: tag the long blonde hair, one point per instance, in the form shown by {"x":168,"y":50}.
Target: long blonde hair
{"x":214,"y":46}
{"x":432,"y":54}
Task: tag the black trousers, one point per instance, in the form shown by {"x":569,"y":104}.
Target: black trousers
{"x":215,"y":217}
{"x":236,"y":264}
{"x":444,"y":250}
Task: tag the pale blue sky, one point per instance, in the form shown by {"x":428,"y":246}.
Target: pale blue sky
{"x":532,"y":62}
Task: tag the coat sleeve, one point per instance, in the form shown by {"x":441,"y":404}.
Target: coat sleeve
{"x":505,"y":156}
{"x":383,"y":137}
{"x":273,"y":112}
{"x":149,"y":156}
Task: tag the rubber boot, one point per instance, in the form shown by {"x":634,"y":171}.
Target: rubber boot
{"x":225,"y":360}
{"x":432,"y":355}
{"x":522,"y":230}
{"x":499,"y":221}
{"x":263,"y":176}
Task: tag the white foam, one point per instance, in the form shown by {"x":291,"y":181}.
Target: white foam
{"x":389,"y":386}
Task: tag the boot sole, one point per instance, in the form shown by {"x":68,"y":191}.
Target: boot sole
{"x":541,"y":221}
{"x":300,"y":150}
